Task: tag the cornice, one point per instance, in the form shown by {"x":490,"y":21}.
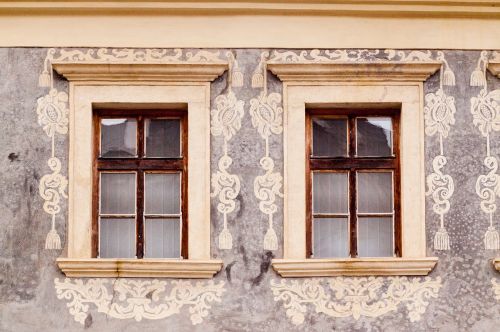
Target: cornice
{"x":494,"y":68}
{"x":354,"y":267}
{"x":421,"y":8}
{"x":141,"y":72}
{"x":374,"y":71}
{"x":143,"y":268}
{"x":496,"y":263}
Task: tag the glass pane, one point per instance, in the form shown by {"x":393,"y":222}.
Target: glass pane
{"x":163,"y":193}
{"x":117,"y":238}
{"x":330,"y":237}
{"x":163,"y":238}
{"x":375,"y":237}
{"x":374,"y":192}
{"x":374,"y":136}
{"x":163,"y":138}
{"x":329,"y":137}
{"x":329,"y":192}
{"x":117,"y":193}
{"x":118,"y":138}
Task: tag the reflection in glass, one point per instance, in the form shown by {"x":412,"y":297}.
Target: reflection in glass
{"x":117,"y":193}
{"x":162,"y":238}
{"x":163,"y":138}
{"x":162,"y":193}
{"x":117,"y":238}
{"x":375,"y":237}
{"x":329,"y":192}
{"x":329,"y":137}
{"x":374,"y":192}
{"x":118,"y":138}
{"x":330,"y":237}
{"x":374,"y":136}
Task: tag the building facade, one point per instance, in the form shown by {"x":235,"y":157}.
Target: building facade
{"x":248,"y":77}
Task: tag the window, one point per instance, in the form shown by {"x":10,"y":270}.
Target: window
{"x":353,"y":203}
{"x":352,"y":183}
{"x":130,"y":194}
{"x":140,"y":184}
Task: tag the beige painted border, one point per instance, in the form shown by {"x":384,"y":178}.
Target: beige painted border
{"x":450,"y":24}
{"x":388,"y":87}
{"x":133,"y":85}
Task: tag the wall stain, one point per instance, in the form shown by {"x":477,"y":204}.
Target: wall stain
{"x":88,"y":321}
{"x":243,"y":252}
{"x":228,"y":270}
{"x":13,"y":157}
{"x":264,"y":267}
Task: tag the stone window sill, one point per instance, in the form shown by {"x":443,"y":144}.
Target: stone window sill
{"x":496,"y":263}
{"x":138,"y":268}
{"x":354,"y":267}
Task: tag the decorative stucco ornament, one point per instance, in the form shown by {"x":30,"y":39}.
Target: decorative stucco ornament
{"x":259,"y":71}
{"x":485,"y":109}
{"x":355,"y":297}
{"x":52,"y":111}
{"x":138,"y":299}
{"x":235,"y":71}
{"x":226,"y":121}
{"x":267,"y":118}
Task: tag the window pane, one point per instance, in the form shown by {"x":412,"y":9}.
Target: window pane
{"x":330,"y":237}
{"x":163,"y":138}
{"x":329,"y":137}
{"x":374,"y":192}
{"x":375,"y":237}
{"x":117,"y":238}
{"x":329,"y":192}
{"x":163,"y":193}
{"x":117,"y":193}
{"x":162,"y":238}
{"x":118,"y":138}
{"x":374,"y":136}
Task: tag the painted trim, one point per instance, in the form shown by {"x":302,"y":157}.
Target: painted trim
{"x":387,"y":71}
{"x":354,"y":267}
{"x":138,"y":268}
{"x":416,"y":8}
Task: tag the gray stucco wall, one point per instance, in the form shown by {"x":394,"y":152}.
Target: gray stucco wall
{"x":29,"y":298}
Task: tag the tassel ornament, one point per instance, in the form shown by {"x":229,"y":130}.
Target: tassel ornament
{"x":44,"y":79}
{"x":53,"y":241}
{"x":270,"y":240}
{"x":237,"y":78}
{"x":225,"y":239}
{"x":477,"y":78}
{"x":491,"y":239}
{"x":257,"y":79}
{"x":448,"y":77}
{"x":442,"y":239}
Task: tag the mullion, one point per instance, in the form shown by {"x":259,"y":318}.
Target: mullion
{"x":141,"y":164}
{"x":353,"y":223}
{"x":352,"y":163}
{"x":140,"y":191}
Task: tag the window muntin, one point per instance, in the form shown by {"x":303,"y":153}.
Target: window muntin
{"x":147,"y":193}
{"x":353,"y":200}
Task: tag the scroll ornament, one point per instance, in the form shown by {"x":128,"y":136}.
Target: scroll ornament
{"x":226,"y":121}
{"x":138,"y":299}
{"x":355,"y":297}
{"x":267,"y":118}
{"x":439,"y":114}
{"x":485,"y":109}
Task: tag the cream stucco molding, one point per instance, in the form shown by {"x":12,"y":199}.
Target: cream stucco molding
{"x":354,"y":72}
{"x":137,"y":84}
{"x":494,"y":68}
{"x":138,"y":268}
{"x":141,"y":72}
{"x":496,"y":263}
{"x":385,"y":83}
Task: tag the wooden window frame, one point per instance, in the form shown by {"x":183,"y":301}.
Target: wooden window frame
{"x":351,"y":164}
{"x":139,"y":165}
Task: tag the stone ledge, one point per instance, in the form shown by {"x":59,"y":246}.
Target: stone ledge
{"x":496,"y":263}
{"x":373,"y":71}
{"x":494,"y":68}
{"x":138,"y":268}
{"x":141,"y":72}
{"x":354,"y":267}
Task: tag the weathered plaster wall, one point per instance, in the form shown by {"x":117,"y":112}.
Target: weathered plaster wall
{"x":462,"y":282}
